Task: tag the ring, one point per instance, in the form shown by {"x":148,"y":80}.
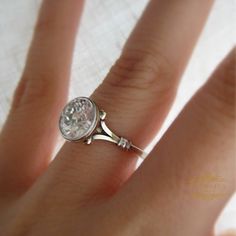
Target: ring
{"x":82,"y":120}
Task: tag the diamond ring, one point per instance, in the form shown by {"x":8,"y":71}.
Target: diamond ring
{"x":81,"y":119}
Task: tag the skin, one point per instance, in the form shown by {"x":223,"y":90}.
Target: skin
{"x":94,"y":189}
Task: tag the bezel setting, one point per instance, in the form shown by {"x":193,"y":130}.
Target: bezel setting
{"x":79,"y":119}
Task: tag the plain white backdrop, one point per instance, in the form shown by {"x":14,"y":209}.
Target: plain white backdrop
{"x":105,"y":26}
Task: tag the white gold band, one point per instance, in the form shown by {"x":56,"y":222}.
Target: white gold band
{"x":104,"y":133}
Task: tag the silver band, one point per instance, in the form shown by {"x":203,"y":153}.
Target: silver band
{"x":104,"y":133}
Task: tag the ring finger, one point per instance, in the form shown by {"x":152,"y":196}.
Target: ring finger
{"x":136,"y":95}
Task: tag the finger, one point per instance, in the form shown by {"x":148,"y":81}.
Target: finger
{"x":190,"y":174}
{"x":29,"y":134}
{"x":136,"y":95}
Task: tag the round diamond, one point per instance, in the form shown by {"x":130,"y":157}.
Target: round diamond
{"x":78,"y":119}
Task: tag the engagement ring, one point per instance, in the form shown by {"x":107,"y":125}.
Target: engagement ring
{"x":81,"y":119}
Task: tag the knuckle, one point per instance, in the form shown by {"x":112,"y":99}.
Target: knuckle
{"x":33,"y":91}
{"x":18,"y":94}
{"x":47,"y":25}
{"x":221,"y":91}
{"x":141,"y":69}
{"x":42,"y":26}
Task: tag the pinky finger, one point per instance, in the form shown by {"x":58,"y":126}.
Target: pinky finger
{"x":190,"y":174}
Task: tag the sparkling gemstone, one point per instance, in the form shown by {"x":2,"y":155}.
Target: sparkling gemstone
{"x":78,"y":119}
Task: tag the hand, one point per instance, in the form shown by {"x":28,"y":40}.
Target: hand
{"x":87,"y":189}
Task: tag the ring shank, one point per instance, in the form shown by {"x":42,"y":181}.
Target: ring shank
{"x":108,"y":135}
{"x":139,"y":151}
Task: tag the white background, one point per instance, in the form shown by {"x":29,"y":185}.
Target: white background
{"x":105,"y":26}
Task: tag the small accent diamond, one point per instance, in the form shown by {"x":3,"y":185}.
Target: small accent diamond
{"x":124,"y":143}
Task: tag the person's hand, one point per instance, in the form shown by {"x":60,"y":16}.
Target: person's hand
{"x":186,"y":180}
